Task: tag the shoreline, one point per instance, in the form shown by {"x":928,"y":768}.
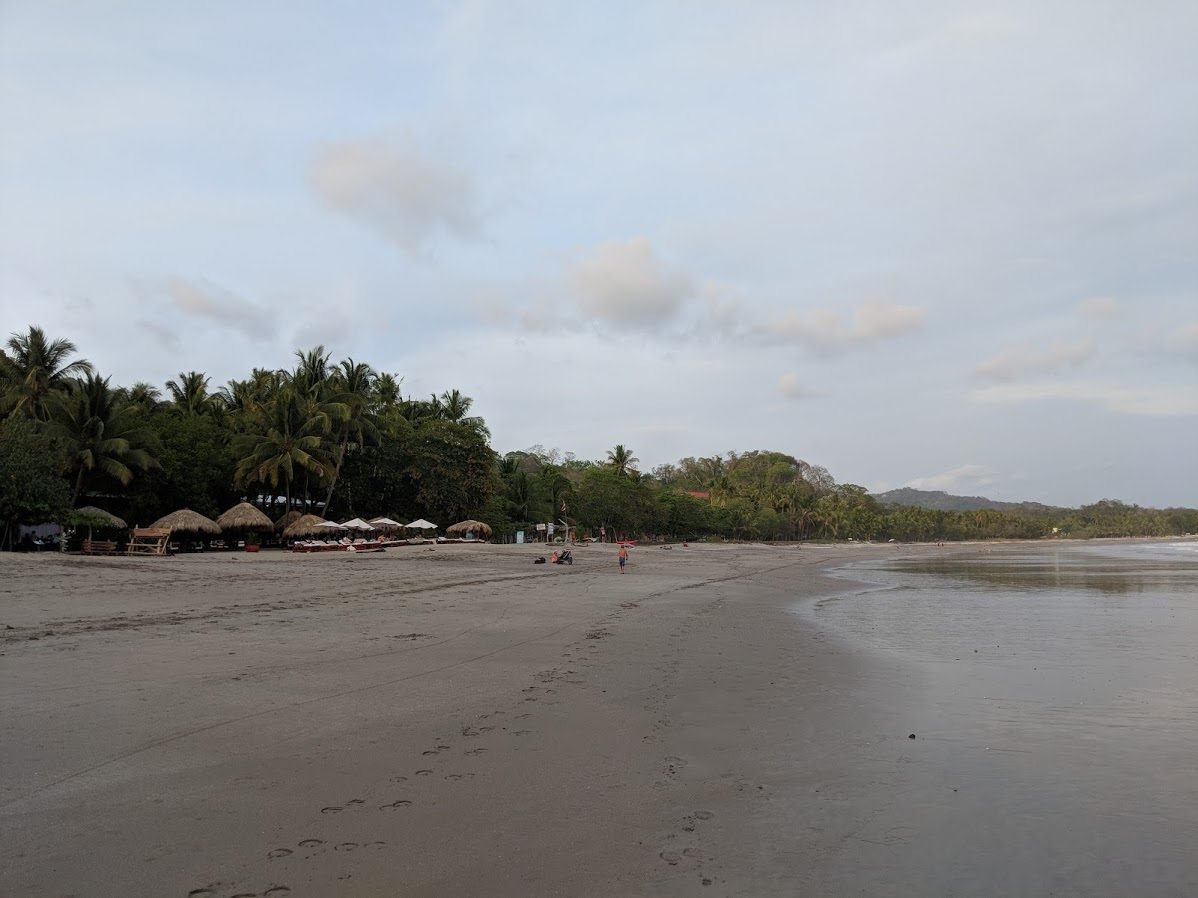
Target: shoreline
{"x":451,"y":721}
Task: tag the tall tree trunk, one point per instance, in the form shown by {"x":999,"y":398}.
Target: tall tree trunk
{"x":328,"y":497}
{"x":79,"y":480}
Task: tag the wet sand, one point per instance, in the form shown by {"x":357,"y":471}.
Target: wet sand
{"x":451,"y":721}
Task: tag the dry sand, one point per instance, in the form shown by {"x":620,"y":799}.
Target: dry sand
{"x":444,"y":721}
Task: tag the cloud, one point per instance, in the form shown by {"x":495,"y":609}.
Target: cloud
{"x":789,"y":386}
{"x":203,"y":299}
{"x":723,"y":313}
{"x":825,"y":331}
{"x":164,"y":335}
{"x":389,"y":186}
{"x":1151,"y":402}
{"x":624,"y":283}
{"x":1099,"y":307}
{"x":962,"y":477}
{"x":1024,"y":359}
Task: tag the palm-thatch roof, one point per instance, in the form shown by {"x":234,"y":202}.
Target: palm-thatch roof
{"x":288,"y":519}
{"x":478,"y":528}
{"x":242,"y":518}
{"x":187,"y":521}
{"x":91,"y":516}
{"x":306,"y":526}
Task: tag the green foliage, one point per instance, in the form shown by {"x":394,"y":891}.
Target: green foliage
{"x":105,"y":439}
{"x":33,"y":370}
{"x":32,"y":490}
{"x":196,"y":469}
{"x":452,"y":467}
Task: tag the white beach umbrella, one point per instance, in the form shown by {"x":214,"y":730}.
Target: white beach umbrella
{"x":331,"y":525}
{"x":385,"y":522}
{"x":356,"y":524}
{"x":421,"y":524}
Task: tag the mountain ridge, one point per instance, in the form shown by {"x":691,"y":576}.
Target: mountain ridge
{"x":938,"y":500}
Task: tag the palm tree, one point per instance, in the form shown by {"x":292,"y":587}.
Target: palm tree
{"x":386,"y":391}
{"x":189,"y":394}
{"x":621,"y":459}
{"x":353,"y":386}
{"x":288,"y":440}
{"x":251,"y":396}
{"x":312,"y":374}
{"x":33,"y":369}
{"x":102,"y":435}
{"x":142,"y":395}
{"x":453,"y":405}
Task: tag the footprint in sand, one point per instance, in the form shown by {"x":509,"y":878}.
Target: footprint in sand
{"x":279,"y":852}
{"x":201,"y":893}
{"x":311,"y":843}
{"x":395,"y":805}
{"x":347,"y":846}
{"x":276,"y":892}
{"x":703,"y":815}
{"x":456,"y":777}
{"x":332,"y":809}
{"x":476,"y":751}
{"x":521,"y":732}
{"x":401,"y":779}
{"x":424,"y":773}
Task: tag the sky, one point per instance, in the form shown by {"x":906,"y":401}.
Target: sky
{"x":941,"y":245}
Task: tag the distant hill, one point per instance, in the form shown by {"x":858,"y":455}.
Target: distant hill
{"x":939,"y":500}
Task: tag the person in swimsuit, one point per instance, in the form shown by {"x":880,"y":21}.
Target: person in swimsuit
{"x":623,"y":557}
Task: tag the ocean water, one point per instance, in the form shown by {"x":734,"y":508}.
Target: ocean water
{"x":1054,"y":690}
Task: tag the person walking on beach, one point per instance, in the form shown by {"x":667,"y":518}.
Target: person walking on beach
{"x":623,"y":555}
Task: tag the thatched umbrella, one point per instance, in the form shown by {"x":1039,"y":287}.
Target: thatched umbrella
{"x":89,"y":516}
{"x":186,"y":521}
{"x":288,"y":519}
{"x":478,"y":528}
{"x":306,"y":526}
{"x":244,"y":518}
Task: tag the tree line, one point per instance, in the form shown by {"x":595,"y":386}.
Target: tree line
{"x":340,"y":439}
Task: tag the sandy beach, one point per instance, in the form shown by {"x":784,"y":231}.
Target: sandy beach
{"x":451,"y":721}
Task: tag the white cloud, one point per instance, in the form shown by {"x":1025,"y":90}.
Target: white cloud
{"x":962,"y":477}
{"x":1150,"y":402}
{"x":397,"y":191}
{"x":203,"y":299}
{"x":623,"y":283}
{"x":826,"y":331}
{"x":1025,"y":359}
{"x":790,"y":387}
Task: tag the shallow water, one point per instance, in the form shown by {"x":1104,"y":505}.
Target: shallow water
{"x":1055,"y":691}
